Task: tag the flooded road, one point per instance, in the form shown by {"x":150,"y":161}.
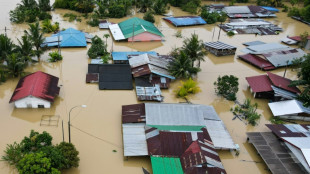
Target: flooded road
{"x":96,"y":130}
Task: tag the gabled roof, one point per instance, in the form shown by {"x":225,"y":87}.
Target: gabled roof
{"x":288,"y":107}
{"x":38,"y":84}
{"x":124,"y":55}
{"x":185,"y":20}
{"x":72,"y":38}
{"x":283,"y":57}
{"x":135,"y":25}
{"x":257,"y":61}
{"x":259,"y":83}
{"x":282,"y":82}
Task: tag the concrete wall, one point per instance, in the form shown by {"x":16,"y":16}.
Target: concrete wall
{"x":145,"y":37}
{"x":31,"y":102}
{"x":307,"y":47}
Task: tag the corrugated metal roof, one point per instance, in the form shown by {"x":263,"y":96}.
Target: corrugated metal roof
{"x":209,"y":113}
{"x":116,"y":32}
{"x":259,"y":83}
{"x":283,"y":93}
{"x":141,"y":71}
{"x":219,"y":135}
{"x":142,"y":59}
{"x":105,"y":24}
{"x":253,"y":43}
{"x":92,"y":78}
{"x":297,"y":38}
{"x":219,"y":45}
{"x":237,"y":9}
{"x":185,"y":20}
{"x":289,"y":130}
{"x":177,"y":128}
{"x":139,"y":60}
{"x":173,"y":114}
{"x":149,"y":93}
{"x":264,"y":48}
{"x":287,"y":107}
{"x":257,"y":61}
{"x":166,"y":165}
{"x":288,"y":41}
{"x":133,"y":113}
{"x":72,"y":38}
{"x":284,"y":57}
{"x":124,"y":55}
{"x":37,"y":84}
{"x":282,"y":82}
{"x":163,"y":82}
{"x":270,"y":8}
{"x":160,"y":71}
{"x":96,"y":61}
{"x":135,"y":25}
{"x":134,"y":139}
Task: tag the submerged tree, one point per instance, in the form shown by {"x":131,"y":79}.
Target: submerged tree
{"x":181,"y":66}
{"x":24,"y":47}
{"x":148,"y":16}
{"x":227,"y":86}
{"x":36,"y":36}
{"x":194,"y":49}
{"x":15,"y":64}
{"x":6,"y":47}
{"x":97,"y":49}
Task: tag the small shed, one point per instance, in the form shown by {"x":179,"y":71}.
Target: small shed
{"x":149,"y":93}
{"x":36,"y":90}
{"x":185,"y":20}
{"x":220,"y":49}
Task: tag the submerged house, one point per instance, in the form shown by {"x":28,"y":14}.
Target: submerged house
{"x":294,"y":40}
{"x":110,"y":76}
{"x":272,"y":86}
{"x":135,"y":30}
{"x":285,"y":149}
{"x":104,"y":24}
{"x":179,"y":138}
{"x":250,"y":11}
{"x":182,"y":21}
{"x":36,"y":90}
{"x":290,"y":109}
{"x":68,"y":38}
{"x":220,"y":48}
{"x":270,"y":55}
{"x":251,"y":26}
{"x":121,"y":57}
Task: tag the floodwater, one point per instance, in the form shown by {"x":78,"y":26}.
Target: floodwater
{"x":96,"y":130}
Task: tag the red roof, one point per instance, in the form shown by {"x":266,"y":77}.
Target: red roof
{"x":259,"y":83}
{"x":38,"y":84}
{"x":282,"y":82}
{"x":297,"y":38}
{"x":257,"y":61}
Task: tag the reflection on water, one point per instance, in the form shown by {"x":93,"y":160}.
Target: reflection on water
{"x":102,"y":117}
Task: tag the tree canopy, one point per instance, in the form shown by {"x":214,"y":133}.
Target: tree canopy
{"x":227,"y":86}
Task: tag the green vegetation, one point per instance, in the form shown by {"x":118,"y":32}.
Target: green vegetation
{"x":190,"y":6}
{"x":30,"y":10}
{"x":214,"y":17}
{"x":188,"y":87}
{"x":149,"y":16}
{"x":54,"y":56}
{"x":94,"y":20}
{"x":230,"y":33}
{"x":36,"y":154}
{"x":83,"y":6}
{"x":227,"y":86}
{"x":159,"y":7}
{"x":113,"y":8}
{"x":303,"y":40}
{"x":35,"y":34}
{"x":303,"y":68}
{"x":247,"y":111}
{"x":183,"y":65}
{"x":72,"y":17}
{"x":276,"y":120}
{"x":48,"y":27}
{"x":303,"y":13}
{"x":98,"y":48}
{"x":273,"y":3}
{"x":178,"y":34}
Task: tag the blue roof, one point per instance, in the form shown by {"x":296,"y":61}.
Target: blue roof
{"x":270,"y":8}
{"x":123,"y":55}
{"x":185,"y":20}
{"x":72,"y":38}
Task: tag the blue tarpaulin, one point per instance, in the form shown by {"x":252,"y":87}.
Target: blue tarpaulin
{"x":123,"y":55}
{"x":270,"y":9}
{"x":185,"y":20}
{"x":70,"y":38}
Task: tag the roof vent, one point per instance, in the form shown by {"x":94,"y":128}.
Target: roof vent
{"x":283,"y":132}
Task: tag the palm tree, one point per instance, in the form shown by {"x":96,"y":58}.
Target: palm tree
{"x":181,"y":66}
{"x":15,"y":64}
{"x":37,"y":38}
{"x":6,"y":47}
{"x":25,"y":47}
{"x":106,"y":38}
{"x":193,"y":47}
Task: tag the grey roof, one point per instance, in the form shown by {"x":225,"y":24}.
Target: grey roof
{"x":149,"y":93}
{"x":96,"y":61}
{"x":218,"y":45}
{"x":173,"y":114}
{"x":283,"y":93}
{"x":284,"y":57}
{"x":288,"y":107}
{"x":237,"y":9}
{"x":264,"y":48}
{"x":160,"y":71}
{"x":209,"y":113}
{"x":134,"y":139}
{"x":253,"y":43}
{"x":142,"y":59}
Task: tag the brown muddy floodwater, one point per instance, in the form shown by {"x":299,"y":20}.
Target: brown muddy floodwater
{"x":102,"y":117}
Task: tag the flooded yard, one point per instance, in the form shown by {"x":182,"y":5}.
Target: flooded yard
{"x":96,"y":130}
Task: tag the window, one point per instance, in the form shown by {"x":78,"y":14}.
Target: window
{"x":40,"y":106}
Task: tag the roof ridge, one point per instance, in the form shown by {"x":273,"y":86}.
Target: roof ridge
{"x":35,"y":82}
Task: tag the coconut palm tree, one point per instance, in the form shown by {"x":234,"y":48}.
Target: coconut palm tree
{"x":181,"y":66}
{"x":15,"y":64}
{"x":37,"y":38}
{"x":6,"y":47}
{"x":24,"y":47}
{"x":106,"y":38}
{"x":193,"y":47}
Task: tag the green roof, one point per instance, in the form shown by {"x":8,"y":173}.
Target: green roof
{"x":166,"y":165}
{"x":177,"y":128}
{"x":137,"y":26}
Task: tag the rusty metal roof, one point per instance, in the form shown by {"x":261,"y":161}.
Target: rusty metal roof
{"x":133,"y":113}
{"x":92,"y":78}
{"x":257,"y":61}
{"x":141,"y":70}
{"x":289,"y":130}
{"x":259,"y":83}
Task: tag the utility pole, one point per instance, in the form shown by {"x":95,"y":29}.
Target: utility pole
{"x":133,"y":32}
{"x":5,"y":30}
{"x":219,"y":32}
{"x":63,"y":134}
{"x":213,"y":33}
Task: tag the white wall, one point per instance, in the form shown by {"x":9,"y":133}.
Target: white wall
{"x":31,"y":102}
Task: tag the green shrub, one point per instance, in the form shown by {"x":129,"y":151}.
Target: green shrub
{"x":148,"y":16}
{"x":230,"y":33}
{"x":54,"y":56}
{"x":227,"y":86}
{"x":97,"y":49}
{"x":70,"y":154}
{"x":247,"y":110}
{"x":13,"y":153}
{"x":188,"y":87}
